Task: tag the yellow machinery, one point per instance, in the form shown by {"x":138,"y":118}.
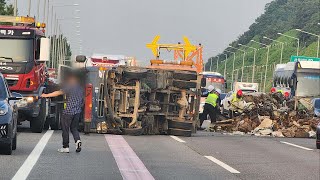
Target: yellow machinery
{"x":186,"y":56}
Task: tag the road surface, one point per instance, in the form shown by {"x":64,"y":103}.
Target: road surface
{"x":203,"y":156}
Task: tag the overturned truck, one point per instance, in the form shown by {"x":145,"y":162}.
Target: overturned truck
{"x":137,"y":100}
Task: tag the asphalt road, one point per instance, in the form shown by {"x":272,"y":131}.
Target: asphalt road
{"x":204,"y":156}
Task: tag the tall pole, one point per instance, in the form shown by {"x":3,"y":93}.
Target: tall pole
{"x":210,"y":65}
{"x":318,"y":46}
{"x":298,"y":45}
{"x":254,"y":65}
{"x":242,"y":70}
{"x":234,"y":59}
{"x":265,"y":74}
{"x":218,"y":63}
{"x":38,"y":11}
{"x":29,"y":9}
{"x":225,"y":67}
{"x":15,"y":6}
{"x":281,"y":54}
{"x":312,"y":35}
{"x":44,"y":10}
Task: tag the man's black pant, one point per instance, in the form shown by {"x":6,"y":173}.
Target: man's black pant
{"x":212,"y":111}
{"x":69,"y":122}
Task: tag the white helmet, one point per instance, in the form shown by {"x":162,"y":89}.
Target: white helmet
{"x":210,"y":88}
{"x":218,"y":91}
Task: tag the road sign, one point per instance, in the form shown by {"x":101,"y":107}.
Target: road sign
{"x":303,"y":58}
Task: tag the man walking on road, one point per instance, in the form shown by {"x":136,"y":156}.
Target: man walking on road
{"x":211,"y":105}
{"x":71,"y":113}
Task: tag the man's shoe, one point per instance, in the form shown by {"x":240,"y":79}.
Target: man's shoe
{"x":64,"y":150}
{"x":78,"y":145}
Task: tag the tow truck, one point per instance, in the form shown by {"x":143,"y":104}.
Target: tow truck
{"x":24,"y":49}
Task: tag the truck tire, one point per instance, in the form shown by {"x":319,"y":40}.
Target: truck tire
{"x":179,"y":132}
{"x":185,"y":75}
{"x":55,"y":122}
{"x":179,"y":125}
{"x":37,"y":123}
{"x":132,"y":131}
{"x":14,"y":142}
{"x":134,"y":73}
{"x":184,"y":84}
{"x":6,"y":148}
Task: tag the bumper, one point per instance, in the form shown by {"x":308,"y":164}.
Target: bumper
{"x":5,"y":141}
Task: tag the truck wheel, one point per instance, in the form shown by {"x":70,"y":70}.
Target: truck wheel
{"x":179,"y":125}
{"x":132,"y":131}
{"x":179,"y":132}
{"x":14,"y":142}
{"x":184,"y":84}
{"x":134,"y":73}
{"x":37,"y":123}
{"x":7,"y":148}
{"x":185,"y":75}
{"x":55,"y":122}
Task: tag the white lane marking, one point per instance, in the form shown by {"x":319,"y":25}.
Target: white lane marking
{"x":129,"y":164}
{"x":308,"y":149}
{"x":222,"y":164}
{"x":178,"y":139}
{"x":32,"y":159}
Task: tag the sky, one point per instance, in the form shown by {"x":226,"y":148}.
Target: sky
{"x":126,"y":26}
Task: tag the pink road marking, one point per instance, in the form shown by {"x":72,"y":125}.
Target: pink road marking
{"x":129,"y":164}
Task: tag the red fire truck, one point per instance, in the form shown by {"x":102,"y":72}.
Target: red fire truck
{"x":24,"y":49}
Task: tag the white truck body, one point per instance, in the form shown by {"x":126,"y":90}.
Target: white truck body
{"x":246,"y":87}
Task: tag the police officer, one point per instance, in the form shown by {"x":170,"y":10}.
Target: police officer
{"x":211,"y":105}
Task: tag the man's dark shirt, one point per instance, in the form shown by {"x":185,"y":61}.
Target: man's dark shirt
{"x":74,"y":96}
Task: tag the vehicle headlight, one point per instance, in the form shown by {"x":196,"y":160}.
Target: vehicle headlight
{"x":3,"y":110}
{"x":3,"y":130}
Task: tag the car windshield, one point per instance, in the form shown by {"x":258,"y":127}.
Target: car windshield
{"x":317,"y":103}
{"x":3,"y":92}
{"x":18,"y":50}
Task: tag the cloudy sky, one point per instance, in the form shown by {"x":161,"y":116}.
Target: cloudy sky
{"x":125,"y":26}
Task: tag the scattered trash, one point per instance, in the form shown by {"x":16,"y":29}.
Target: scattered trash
{"x":272,"y":115}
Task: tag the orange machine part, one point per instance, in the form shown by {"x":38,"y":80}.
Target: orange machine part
{"x":88,"y":104}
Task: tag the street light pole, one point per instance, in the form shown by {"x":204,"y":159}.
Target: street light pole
{"x":29,"y":9}
{"x":243,"y":57}
{"x":254,"y":60}
{"x":312,"y":35}
{"x":210,"y":69}
{"x":234,"y":59}
{"x":218,"y":63}
{"x":15,"y":4}
{"x":265,"y":74}
{"x":282,"y":47}
{"x":292,"y":38}
{"x":225,"y":67}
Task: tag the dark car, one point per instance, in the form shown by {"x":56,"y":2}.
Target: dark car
{"x":8,"y":119}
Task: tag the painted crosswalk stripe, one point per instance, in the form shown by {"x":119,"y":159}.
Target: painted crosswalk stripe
{"x":177,"y":139}
{"x":129,"y":164}
{"x":222,"y":164}
{"x":32,"y":159}
{"x":301,"y":147}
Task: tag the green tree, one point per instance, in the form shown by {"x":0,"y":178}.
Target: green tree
{"x":5,"y":8}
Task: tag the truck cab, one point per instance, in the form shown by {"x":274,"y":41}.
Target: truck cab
{"x":24,"y":49}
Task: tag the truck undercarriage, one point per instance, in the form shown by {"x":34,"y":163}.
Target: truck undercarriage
{"x":140,"y":100}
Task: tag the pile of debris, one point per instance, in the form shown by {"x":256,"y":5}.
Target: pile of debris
{"x":271,"y":115}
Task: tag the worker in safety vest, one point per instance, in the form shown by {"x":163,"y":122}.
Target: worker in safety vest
{"x":211,"y":105}
{"x":236,"y":102}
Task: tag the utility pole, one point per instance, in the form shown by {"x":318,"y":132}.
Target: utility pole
{"x":254,"y":59}
{"x":234,"y":59}
{"x":218,"y":63}
{"x":225,"y":67}
{"x":29,"y":9}
{"x":15,"y":6}
{"x":38,"y":11}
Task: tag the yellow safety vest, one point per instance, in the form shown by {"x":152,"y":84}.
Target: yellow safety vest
{"x":212,"y":99}
{"x":235,"y":99}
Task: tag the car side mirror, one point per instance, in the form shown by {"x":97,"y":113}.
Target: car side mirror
{"x":81,"y":59}
{"x":15,"y":96}
{"x":44,"y":50}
